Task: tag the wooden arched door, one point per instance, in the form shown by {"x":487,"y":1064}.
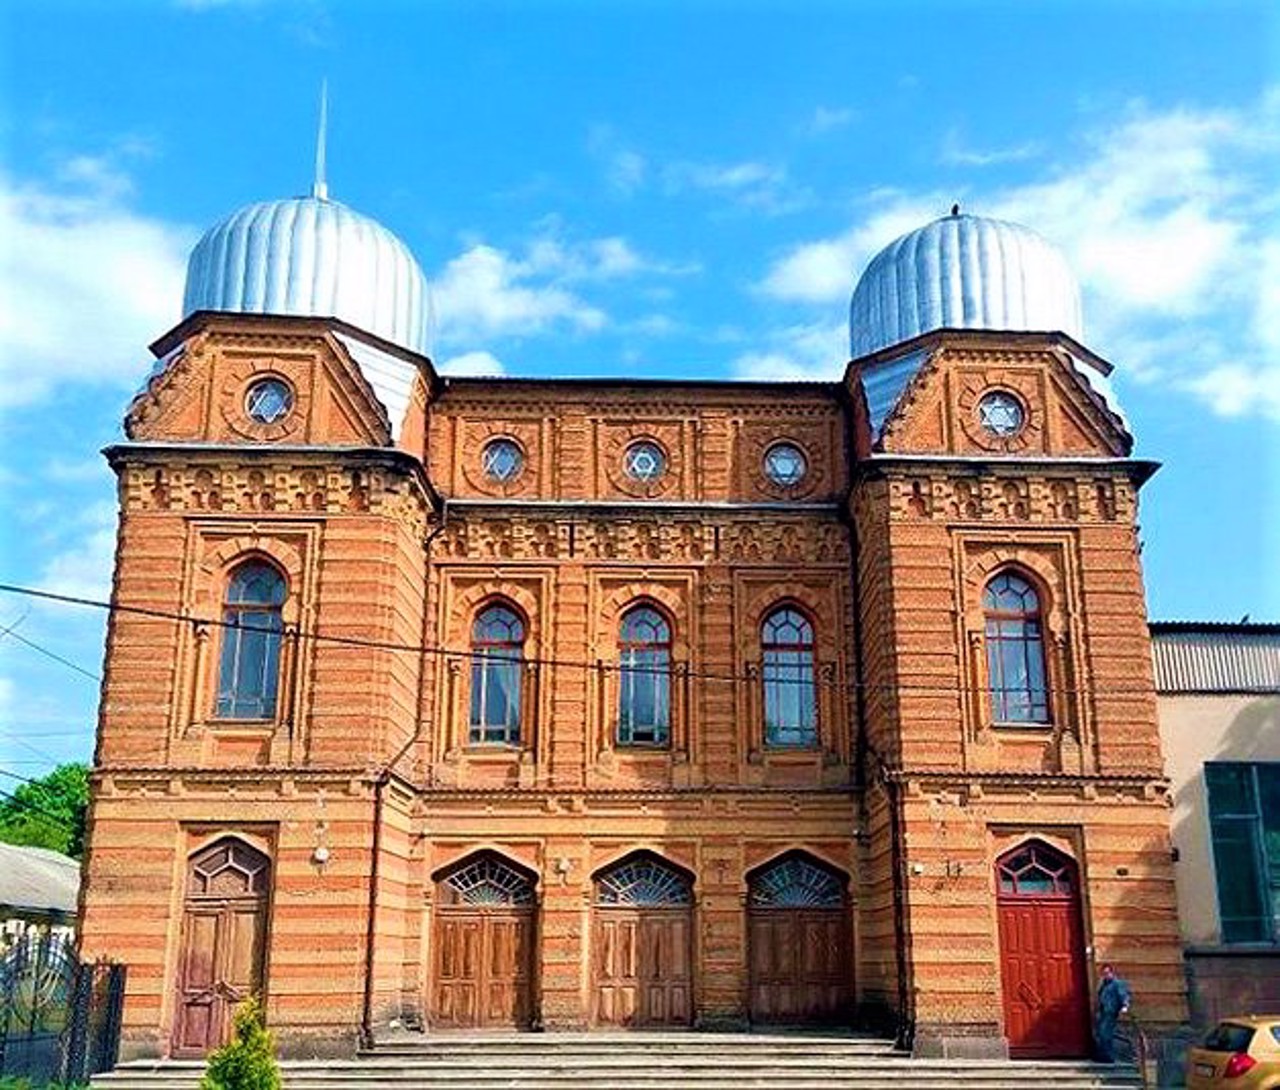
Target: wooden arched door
{"x":798,"y":943}
{"x":224,"y":931}
{"x":642,"y":944}
{"x":483,"y":941}
{"x":1046,"y":990}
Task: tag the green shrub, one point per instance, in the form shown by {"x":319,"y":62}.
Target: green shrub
{"x":248,"y":1062}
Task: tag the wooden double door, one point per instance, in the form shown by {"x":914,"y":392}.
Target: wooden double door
{"x":798,"y":942}
{"x":642,"y":966}
{"x":483,"y":942}
{"x":224,"y":931}
{"x":1042,"y":967}
{"x":484,"y":967}
{"x":800,"y":968}
{"x":642,"y":944}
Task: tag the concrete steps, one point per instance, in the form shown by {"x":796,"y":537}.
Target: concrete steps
{"x":647,"y":1061}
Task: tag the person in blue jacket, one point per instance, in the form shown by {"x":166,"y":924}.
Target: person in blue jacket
{"x":1113,"y":1001}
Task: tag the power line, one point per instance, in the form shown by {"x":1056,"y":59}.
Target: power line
{"x":294,"y":632}
{"x":51,"y":655}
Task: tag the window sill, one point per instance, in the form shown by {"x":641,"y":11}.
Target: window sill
{"x":1035,"y":727}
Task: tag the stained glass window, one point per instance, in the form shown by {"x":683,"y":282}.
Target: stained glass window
{"x":502,"y":460}
{"x":1015,"y":651}
{"x":644,"y":461}
{"x":249,"y":664}
{"x":644,"y":678}
{"x":790,"y":700}
{"x":487,"y":880}
{"x":643,"y":881}
{"x":796,"y":883}
{"x":497,"y":646}
{"x":785,"y":464}
{"x":268,"y":400}
{"x":1036,"y":870}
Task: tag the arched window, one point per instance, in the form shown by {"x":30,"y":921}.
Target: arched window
{"x":790,"y":702}
{"x":795,"y":882}
{"x":644,"y":678}
{"x":1015,"y":651}
{"x":497,"y":646}
{"x":249,"y":669}
{"x":643,"y":881}
{"x":489,"y":881}
{"x":1036,"y":870}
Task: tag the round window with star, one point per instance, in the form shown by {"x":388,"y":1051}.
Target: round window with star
{"x":785,"y":464}
{"x":1001,"y":414}
{"x":268,"y":400}
{"x":502,"y":460}
{"x":644,"y":461}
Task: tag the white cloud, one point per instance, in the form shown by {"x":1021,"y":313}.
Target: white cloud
{"x":826,"y":119}
{"x":473,"y":365}
{"x":487,"y":292}
{"x":1235,"y":390}
{"x":83,"y":569}
{"x":805,"y":352}
{"x":85,"y":281}
{"x":625,"y":169}
{"x":956,"y":153}
{"x":750,"y":183}
{"x":1163,"y":215}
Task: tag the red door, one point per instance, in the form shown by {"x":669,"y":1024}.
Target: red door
{"x":1046,"y":991}
{"x":223,"y":943}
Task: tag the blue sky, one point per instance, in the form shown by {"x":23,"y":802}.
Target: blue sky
{"x":638,"y":188}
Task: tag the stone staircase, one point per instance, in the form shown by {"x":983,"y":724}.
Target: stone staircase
{"x":645,"y":1061}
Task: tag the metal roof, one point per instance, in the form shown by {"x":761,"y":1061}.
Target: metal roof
{"x":963,"y":272}
{"x":1195,"y":657}
{"x":313,"y":257}
{"x":38,"y":880}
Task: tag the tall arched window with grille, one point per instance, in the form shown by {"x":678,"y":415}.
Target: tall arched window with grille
{"x":644,"y":678}
{"x":787,"y":670}
{"x":249,"y":666}
{"x":1016,"y":677}
{"x":497,"y":651}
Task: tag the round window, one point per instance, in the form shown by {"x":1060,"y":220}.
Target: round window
{"x":1001,"y":414}
{"x":785,"y":464}
{"x":502,"y":460}
{"x":644,"y":461}
{"x":268,"y":400}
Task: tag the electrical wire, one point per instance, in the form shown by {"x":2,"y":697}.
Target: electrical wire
{"x":294,"y":632}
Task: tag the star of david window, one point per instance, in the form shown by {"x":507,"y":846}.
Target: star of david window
{"x":644,"y":461}
{"x":1001,"y":414}
{"x":785,"y":464}
{"x":489,"y":882}
{"x":796,"y":883}
{"x":1036,"y":871}
{"x":268,"y":400}
{"x":643,"y":883}
{"x":502,"y":460}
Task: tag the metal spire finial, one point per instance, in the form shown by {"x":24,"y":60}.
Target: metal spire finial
{"x":320,"y":188}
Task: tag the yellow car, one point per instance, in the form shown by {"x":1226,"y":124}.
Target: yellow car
{"x":1238,"y":1054}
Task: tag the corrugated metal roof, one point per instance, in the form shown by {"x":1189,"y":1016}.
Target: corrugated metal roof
{"x":38,"y":880}
{"x":1216,"y":658}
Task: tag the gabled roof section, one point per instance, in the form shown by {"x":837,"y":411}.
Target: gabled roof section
{"x":886,"y":377}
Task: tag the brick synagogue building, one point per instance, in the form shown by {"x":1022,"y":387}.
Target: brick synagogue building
{"x":571,"y":704}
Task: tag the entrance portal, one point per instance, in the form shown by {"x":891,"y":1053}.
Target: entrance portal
{"x":1046,"y":992}
{"x":483,"y":944}
{"x":798,"y":942}
{"x":642,"y":945}
{"x":224,"y":930}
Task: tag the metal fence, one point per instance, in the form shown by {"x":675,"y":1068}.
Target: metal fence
{"x":59,"y":1016}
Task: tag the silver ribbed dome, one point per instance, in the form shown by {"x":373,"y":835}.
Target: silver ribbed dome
{"x":310,"y":256}
{"x":963,"y":272}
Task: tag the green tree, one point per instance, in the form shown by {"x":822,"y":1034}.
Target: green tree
{"x":48,"y":812}
{"x":248,"y":1061}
